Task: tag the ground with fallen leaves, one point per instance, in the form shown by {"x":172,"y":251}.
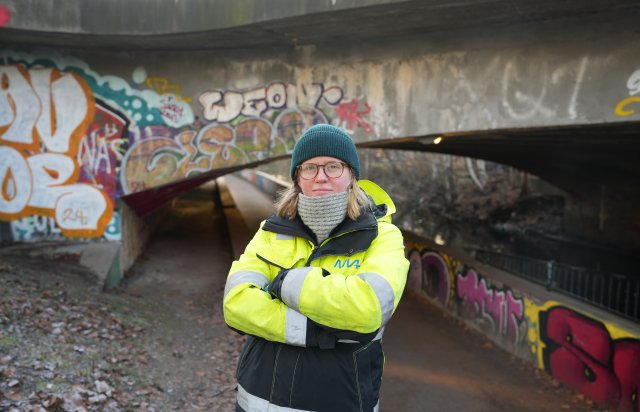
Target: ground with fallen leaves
{"x":66,"y":346}
{"x":158,"y":342}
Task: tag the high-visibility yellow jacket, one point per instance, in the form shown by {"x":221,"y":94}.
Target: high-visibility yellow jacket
{"x":318,"y":348}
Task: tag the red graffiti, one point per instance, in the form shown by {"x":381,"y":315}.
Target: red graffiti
{"x":350,"y":116}
{"x":5,"y":15}
{"x":170,"y":109}
{"x":626,"y":366}
{"x":580,"y":353}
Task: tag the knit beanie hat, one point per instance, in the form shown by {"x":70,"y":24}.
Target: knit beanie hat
{"x":325,"y":140}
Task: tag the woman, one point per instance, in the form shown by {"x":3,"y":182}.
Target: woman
{"x":316,"y":286}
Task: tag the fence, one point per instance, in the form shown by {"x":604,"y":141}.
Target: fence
{"x":613,"y":292}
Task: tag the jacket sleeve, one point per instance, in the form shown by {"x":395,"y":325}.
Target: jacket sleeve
{"x":363,"y":302}
{"x":248,"y":308}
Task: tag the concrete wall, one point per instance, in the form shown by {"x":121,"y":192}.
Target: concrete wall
{"x":78,"y":130}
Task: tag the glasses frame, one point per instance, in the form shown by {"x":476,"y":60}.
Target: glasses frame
{"x":344,"y":166}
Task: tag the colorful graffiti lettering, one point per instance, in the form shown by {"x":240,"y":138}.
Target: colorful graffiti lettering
{"x":580,"y":352}
{"x":499,"y":312}
{"x":44,"y":114}
{"x":38,"y":228}
{"x":599,"y":360}
{"x":102,"y":149}
{"x":35,"y":227}
{"x":141,"y":107}
{"x":159,"y":158}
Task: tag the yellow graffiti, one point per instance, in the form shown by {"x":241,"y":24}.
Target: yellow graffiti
{"x":161,"y":86}
{"x":621,"y":109}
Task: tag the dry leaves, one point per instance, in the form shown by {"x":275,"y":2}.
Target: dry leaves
{"x":62,"y":351}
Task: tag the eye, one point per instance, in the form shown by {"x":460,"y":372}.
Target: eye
{"x":333,"y":167}
{"x":308,"y":167}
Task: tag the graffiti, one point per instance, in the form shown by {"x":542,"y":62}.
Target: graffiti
{"x":5,"y":15}
{"x":498,"y":311}
{"x":33,"y":228}
{"x":44,"y":114}
{"x":633,"y":84}
{"x":102,"y":149}
{"x":600,"y":361}
{"x":171,"y":109}
{"x":431,"y":273}
{"x":113,"y":231}
{"x":580,"y":352}
{"x":38,"y":228}
{"x":172,"y":104}
{"x":162,"y":87}
{"x":524,"y":99}
{"x":159,"y":158}
{"x":349,"y":116}
{"x":225,"y":106}
{"x":414,"y":278}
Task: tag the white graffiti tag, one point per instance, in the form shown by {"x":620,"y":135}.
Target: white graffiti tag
{"x":224,"y":106}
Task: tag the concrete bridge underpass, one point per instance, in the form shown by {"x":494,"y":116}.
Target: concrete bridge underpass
{"x":108,"y":110}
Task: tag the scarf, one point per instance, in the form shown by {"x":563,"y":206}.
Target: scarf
{"x":322,"y":214}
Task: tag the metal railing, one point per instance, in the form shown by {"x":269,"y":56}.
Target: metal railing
{"x":617,"y":293}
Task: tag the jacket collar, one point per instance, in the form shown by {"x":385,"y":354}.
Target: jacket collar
{"x":295,"y":227}
{"x":349,"y":237}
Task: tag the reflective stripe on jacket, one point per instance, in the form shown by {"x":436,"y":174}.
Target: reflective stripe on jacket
{"x":319,"y":347}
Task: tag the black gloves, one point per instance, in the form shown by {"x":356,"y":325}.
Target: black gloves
{"x":274,"y":288}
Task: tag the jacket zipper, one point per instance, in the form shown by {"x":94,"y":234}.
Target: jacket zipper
{"x":269,"y":262}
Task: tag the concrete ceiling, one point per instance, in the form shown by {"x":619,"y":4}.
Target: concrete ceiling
{"x":196,"y":25}
{"x":577,"y":159}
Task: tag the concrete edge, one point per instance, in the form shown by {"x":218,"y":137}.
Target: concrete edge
{"x":236,"y":225}
{"x":101,"y":258}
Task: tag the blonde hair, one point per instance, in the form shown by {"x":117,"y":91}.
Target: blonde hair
{"x":287,"y":203}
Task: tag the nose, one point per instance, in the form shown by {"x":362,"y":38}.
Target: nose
{"x":321,"y":176}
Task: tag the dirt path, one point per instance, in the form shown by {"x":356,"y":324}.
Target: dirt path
{"x":182,"y":275}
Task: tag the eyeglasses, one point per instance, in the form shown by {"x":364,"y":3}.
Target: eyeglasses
{"x":309,"y":171}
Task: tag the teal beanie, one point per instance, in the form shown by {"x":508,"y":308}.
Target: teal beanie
{"x":325,"y":140}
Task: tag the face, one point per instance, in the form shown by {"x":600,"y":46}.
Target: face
{"x":322,"y":184}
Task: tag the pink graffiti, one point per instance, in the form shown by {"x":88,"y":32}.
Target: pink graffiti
{"x":350,"y":116}
{"x":500,"y":308}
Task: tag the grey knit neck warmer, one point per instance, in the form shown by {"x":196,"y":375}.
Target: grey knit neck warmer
{"x":323,"y":213}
